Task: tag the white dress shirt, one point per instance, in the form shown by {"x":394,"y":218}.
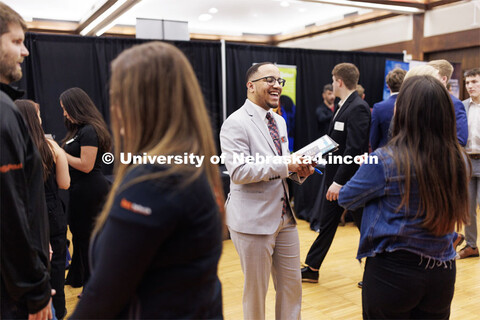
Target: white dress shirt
{"x":473,"y":142}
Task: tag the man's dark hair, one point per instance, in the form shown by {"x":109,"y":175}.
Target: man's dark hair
{"x":348,"y":73}
{"x":327,"y":87}
{"x":9,"y":16}
{"x":472,"y":72}
{"x":253,"y":69}
{"x":395,"y":78}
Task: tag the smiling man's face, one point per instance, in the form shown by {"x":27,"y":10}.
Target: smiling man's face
{"x":12,"y":53}
{"x":260,"y":92}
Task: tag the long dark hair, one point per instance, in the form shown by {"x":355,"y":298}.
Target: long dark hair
{"x":82,"y":111}
{"x":424,"y":143}
{"x":29,"y":111}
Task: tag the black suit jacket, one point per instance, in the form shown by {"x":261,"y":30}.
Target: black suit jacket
{"x":350,"y":129}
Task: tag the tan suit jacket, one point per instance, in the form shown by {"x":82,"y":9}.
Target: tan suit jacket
{"x":254,"y":204}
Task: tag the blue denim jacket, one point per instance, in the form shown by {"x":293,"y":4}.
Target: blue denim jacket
{"x":378,"y":187}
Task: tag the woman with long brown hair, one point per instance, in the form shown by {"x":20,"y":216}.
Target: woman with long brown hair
{"x":414,"y":197}
{"x":56,"y":176}
{"x":158,"y":240}
{"x":87,"y":139}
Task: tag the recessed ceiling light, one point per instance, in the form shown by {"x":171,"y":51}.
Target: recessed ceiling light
{"x":213,"y":10}
{"x":285,"y":4}
{"x":302,"y":10}
{"x":205,"y":17}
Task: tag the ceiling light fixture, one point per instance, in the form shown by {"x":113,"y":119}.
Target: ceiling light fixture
{"x":285,"y":4}
{"x":370,"y":5}
{"x":213,"y":10}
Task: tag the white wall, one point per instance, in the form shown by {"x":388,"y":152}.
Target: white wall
{"x":452,"y":18}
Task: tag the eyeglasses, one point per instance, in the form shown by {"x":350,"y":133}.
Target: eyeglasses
{"x":271,"y":80}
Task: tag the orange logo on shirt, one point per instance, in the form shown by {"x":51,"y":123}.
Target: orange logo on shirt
{"x":8,"y":167}
{"x":134,"y":207}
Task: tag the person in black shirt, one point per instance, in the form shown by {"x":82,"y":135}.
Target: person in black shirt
{"x":25,"y":289}
{"x":86,"y":141}
{"x":157,"y":242}
{"x":55,"y":176}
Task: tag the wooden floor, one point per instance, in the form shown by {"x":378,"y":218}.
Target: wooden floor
{"x":336,"y":296}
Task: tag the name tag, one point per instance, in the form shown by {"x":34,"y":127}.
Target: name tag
{"x":339,"y":126}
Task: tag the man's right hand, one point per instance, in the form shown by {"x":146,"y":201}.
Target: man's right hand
{"x":297,"y":165}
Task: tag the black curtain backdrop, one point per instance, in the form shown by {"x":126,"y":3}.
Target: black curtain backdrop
{"x":59,"y":62}
{"x":314,"y":70}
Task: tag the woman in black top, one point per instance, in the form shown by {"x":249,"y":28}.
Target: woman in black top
{"x":55,"y":173}
{"x":157,"y":243}
{"x":86,"y":140}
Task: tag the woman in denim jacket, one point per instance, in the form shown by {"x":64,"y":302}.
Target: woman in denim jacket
{"x":413,"y":197}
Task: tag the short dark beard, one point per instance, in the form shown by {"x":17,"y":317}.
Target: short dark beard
{"x":271,"y":106}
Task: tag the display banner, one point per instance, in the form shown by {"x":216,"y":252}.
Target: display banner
{"x":288,"y":99}
{"x":289,"y":73}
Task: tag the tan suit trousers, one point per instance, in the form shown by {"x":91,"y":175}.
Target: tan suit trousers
{"x":278,"y":254}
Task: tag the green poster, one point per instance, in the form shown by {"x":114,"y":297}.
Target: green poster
{"x":289,"y":73}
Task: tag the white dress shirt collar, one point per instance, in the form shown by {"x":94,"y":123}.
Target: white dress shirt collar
{"x":262,"y":113}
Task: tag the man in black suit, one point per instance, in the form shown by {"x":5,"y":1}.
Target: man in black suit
{"x":350,"y":128}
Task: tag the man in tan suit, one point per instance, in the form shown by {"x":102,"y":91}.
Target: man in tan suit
{"x":259,"y":217}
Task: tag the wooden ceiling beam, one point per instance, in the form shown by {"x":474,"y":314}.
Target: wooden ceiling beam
{"x":94,"y":15}
{"x":53,"y":26}
{"x":437,"y":3}
{"x":342,"y":24}
{"x":409,"y":4}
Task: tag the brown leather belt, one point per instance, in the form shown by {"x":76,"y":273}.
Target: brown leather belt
{"x":474,"y":156}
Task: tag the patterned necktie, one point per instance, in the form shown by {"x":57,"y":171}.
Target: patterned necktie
{"x":272,"y":127}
